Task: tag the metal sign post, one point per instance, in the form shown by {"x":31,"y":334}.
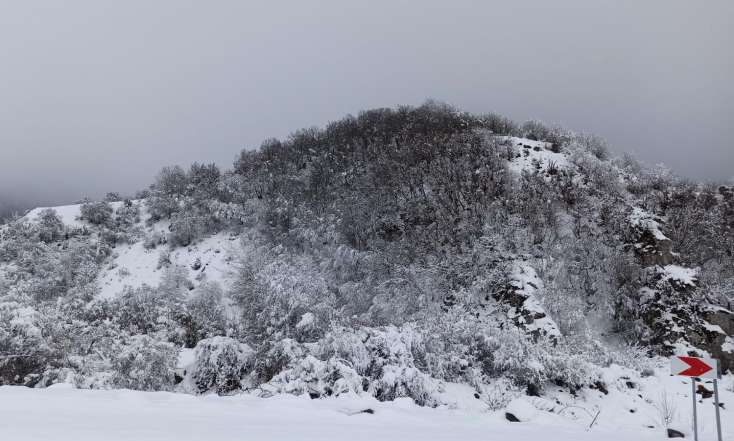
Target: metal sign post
{"x":695,"y":416}
{"x":716,"y":403}
{"x":698,"y":367}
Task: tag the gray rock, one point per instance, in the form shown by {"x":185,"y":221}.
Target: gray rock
{"x":672,"y":433}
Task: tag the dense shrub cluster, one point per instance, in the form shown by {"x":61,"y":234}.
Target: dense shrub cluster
{"x":221,"y":364}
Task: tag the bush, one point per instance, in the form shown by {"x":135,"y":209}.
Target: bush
{"x":23,"y":350}
{"x":206,"y":314}
{"x":171,"y":181}
{"x":383,"y":362}
{"x":594,"y":144}
{"x":112,"y":196}
{"x":144,"y":311}
{"x":539,"y":131}
{"x":50,"y":227}
{"x":153,"y":240}
{"x":186,"y":228}
{"x":220,"y":365}
{"x":127,"y":215}
{"x":162,"y":206}
{"x":97,"y":213}
{"x":144,"y":363}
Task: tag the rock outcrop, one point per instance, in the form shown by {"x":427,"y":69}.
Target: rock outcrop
{"x":523,"y":307}
{"x":652,"y":246}
{"x":676,"y":323}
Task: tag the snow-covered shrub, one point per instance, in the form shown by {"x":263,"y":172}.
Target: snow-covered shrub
{"x":206,"y":314}
{"x":498,"y":394}
{"x":162,"y":206}
{"x":539,"y":131}
{"x":112,"y":196}
{"x":175,"y":284}
{"x":153,"y":240}
{"x":307,"y":328}
{"x":729,"y":384}
{"x":221,"y":363}
{"x":594,"y":144}
{"x":317,"y":378}
{"x":274,"y":293}
{"x":274,"y":357}
{"x":479,"y":350}
{"x":15,"y":238}
{"x":97,"y":213}
{"x":171,"y":181}
{"x":187,"y":227}
{"x":48,"y":272}
{"x":602,"y":175}
{"x":144,"y":363}
{"x":203,"y":181}
{"x":144,"y":310}
{"x":667,"y":409}
{"x":404,"y":381}
{"x":164,"y":259}
{"x":499,"y":124}
{"x":127,"y":215}
{"x":395,"y":301}
{"x":50,"y":227}
{"x":369,"y":349}
{"x":535,"y":364}
{"x":23,"y":350}
{"x":379,"y":361}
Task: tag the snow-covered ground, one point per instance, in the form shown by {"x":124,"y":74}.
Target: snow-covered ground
{"x":534,"y":155}
{"x":132,"y":265}
{"x":62,"y":413}
{"x":69,"y":214}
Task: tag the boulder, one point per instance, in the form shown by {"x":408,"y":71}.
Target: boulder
{"x":704,"y":392}
{"x":520,"y":410}
{"x":672,"y":433}
{"x":511,"y":418}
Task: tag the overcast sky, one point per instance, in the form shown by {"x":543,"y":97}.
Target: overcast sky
{"x":97,"y":95}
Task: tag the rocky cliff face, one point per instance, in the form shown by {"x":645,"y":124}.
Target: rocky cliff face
{"x":523,"y":307}
{"x":676,"y":321}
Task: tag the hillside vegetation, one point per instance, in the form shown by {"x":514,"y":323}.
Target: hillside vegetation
{"x":391,"y":254}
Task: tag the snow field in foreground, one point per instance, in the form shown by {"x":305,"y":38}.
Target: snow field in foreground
{"x":62,"y":413}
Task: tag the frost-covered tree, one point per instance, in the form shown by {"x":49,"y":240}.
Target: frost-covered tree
{"x":97,"y":213}
{"x":50,"y":228}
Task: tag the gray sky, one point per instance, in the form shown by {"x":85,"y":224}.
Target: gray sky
{"x":98,"y":95}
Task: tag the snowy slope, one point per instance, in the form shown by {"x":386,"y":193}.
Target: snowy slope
{"x":69,"y":214}
{"x":132,"y":265}
{"x":534,"y":155}
{"x":627,"y":412}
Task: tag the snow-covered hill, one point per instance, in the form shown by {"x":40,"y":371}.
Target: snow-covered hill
{"x":395,"y":259}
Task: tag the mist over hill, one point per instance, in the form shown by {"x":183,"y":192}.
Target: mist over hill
{"x":9,"y":208}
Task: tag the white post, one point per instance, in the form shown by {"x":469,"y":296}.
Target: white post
{"x":695,"y":421}
{"x":716,"y":403}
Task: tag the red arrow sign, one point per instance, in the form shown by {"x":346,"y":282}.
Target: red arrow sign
{"x":693,"y":367}
{"x":697,"y":367}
